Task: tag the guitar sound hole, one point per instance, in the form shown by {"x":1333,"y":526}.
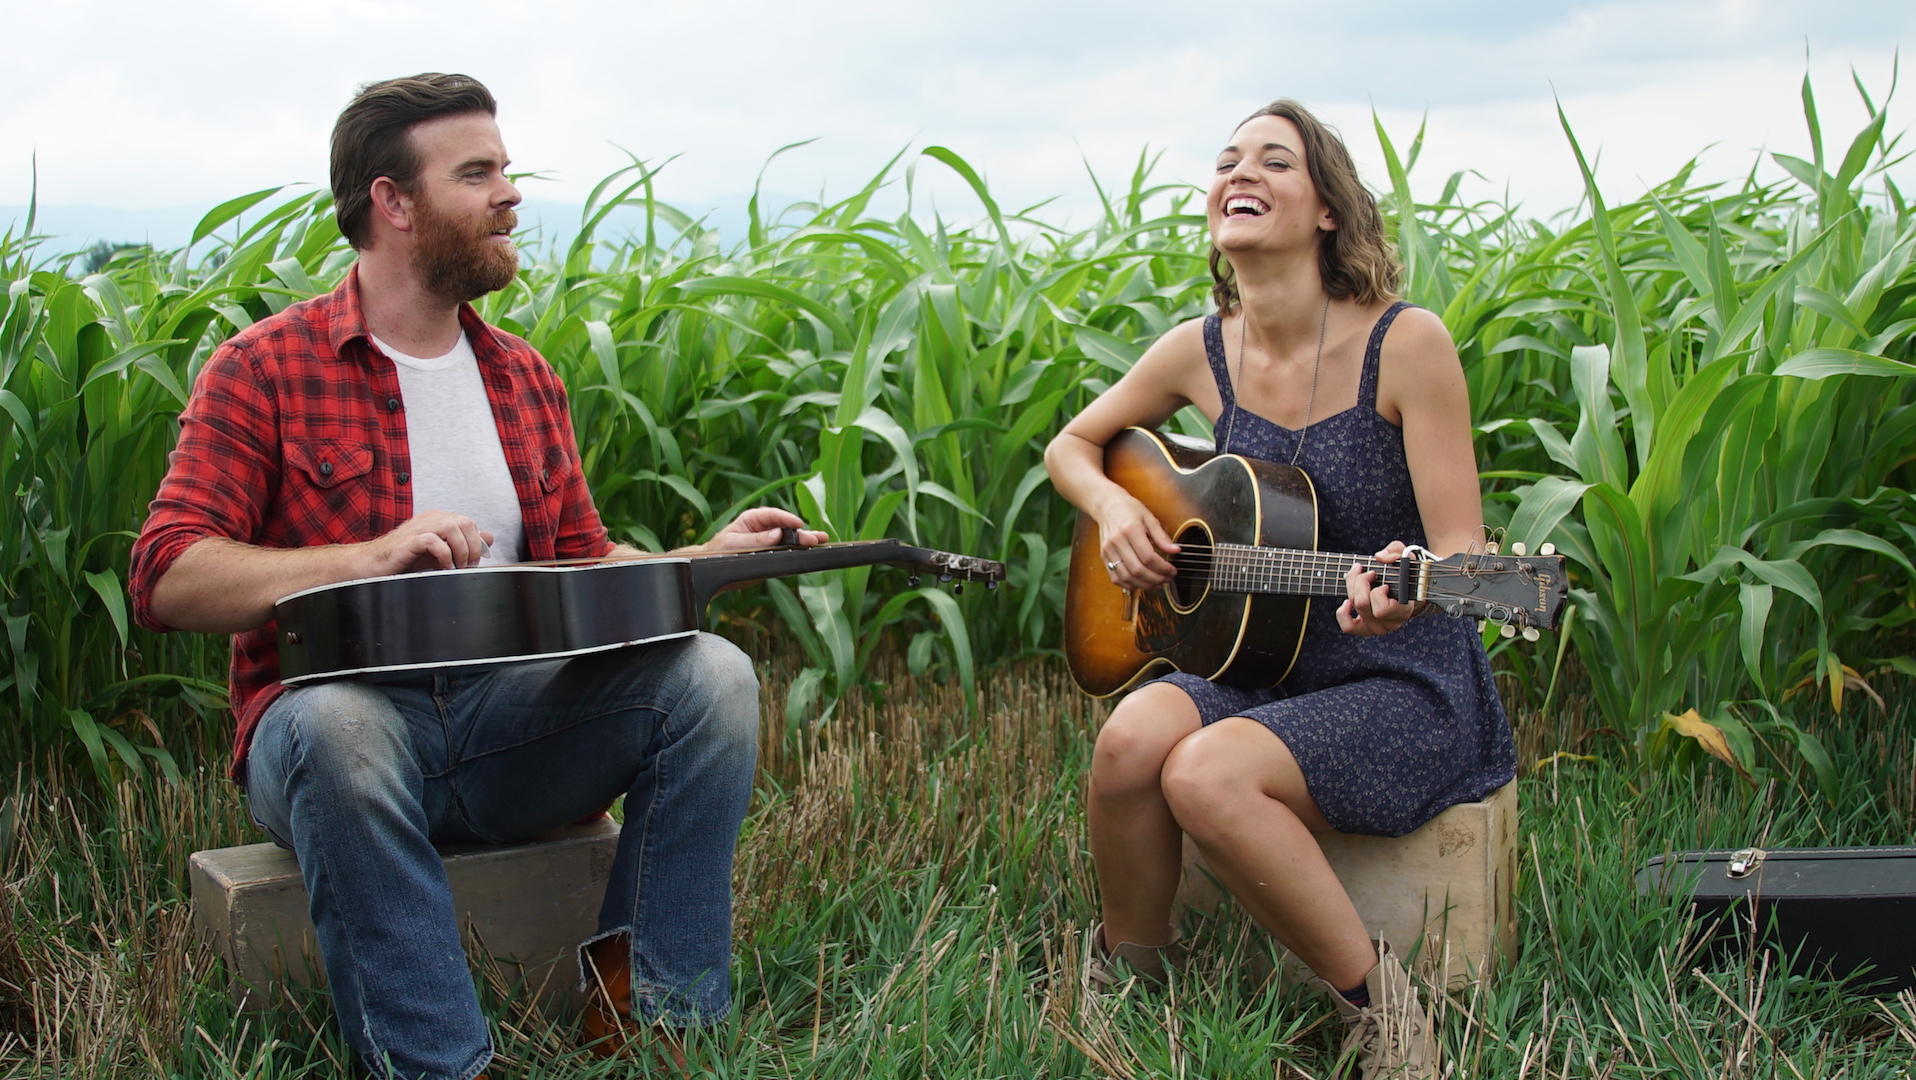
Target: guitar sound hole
{"x":1194,"y":566}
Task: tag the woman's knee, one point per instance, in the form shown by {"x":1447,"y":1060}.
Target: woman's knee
{"x":1138,"y":735}
{"x":1208,"y":782}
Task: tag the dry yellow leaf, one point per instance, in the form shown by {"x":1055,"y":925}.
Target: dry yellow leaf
{"x":1707,"y":735}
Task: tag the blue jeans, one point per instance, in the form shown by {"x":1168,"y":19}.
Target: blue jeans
{"x":361,"y":779}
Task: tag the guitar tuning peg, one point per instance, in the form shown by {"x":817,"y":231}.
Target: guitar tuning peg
{"x":943,"y":578}
{"x":1493,"y":548}
{"x":1508,"y":630}
{"x":1519,"y":549}
{"x":1481,"y":623}
{"x":1531,"y":633}
{"x":911,"y":582}
{"x":1547,"y":549}
{"x":958,"y":588}
{"x":990,"y":584}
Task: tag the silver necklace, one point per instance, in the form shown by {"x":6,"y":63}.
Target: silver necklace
{"x":1310,"y":406}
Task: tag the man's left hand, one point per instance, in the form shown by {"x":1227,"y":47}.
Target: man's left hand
{"x":759,"y":528}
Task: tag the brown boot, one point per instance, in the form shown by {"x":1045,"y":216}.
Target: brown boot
{"x":1151,"y":964}
{"x":610,"y":1029}
{"x":1391,"y":1039}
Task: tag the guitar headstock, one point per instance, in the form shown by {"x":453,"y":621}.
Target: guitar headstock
{"x":951,"y":567}
{"x":1518,"y":591}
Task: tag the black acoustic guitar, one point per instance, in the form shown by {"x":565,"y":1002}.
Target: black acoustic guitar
{"x":493,"y":615}
{"x":1247,"y":568}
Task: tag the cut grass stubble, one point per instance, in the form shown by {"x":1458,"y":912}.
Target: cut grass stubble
{"x":912,"y":895}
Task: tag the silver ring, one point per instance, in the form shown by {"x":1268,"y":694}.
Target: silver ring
{"x":1111,"y":566}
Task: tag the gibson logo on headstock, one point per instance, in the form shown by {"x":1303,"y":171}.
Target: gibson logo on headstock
{"x":1543,"y":592}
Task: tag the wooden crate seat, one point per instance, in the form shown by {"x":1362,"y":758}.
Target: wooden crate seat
{"x":531,"y":904}
{"x":1442,"y":892}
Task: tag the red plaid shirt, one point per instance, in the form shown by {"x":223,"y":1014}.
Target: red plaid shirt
{"x":295,"y":436}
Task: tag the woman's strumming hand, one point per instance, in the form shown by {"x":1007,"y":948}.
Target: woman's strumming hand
{"x":1133,"y":545}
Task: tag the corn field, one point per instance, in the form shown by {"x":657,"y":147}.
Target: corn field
{"x":1704,"y":397}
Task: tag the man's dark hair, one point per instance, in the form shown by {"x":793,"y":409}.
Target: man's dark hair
{"x":371,"y":139}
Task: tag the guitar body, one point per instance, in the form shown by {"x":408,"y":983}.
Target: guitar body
{"x":480,"y":617}
{"x":1116,"y":639}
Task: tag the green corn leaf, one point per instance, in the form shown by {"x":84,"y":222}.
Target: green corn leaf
{"x":768,"y":290}
{"x":88,"y":731}
{"x":1544,"y":505}
{"x":1852,"y":538}
{"x":229,"y":210}
{"x":959,"y":635}
{"x":1823,"y":363}
{"x":801,"y":694}
{"x":1756,"y":598}
{"x":129,"y":754}
{"x":682,"y":487}
{"x":1597,"y":445}
{"x":107,"y":584}
{"x":1115,"y":353}
{"x":825,"y":602}
{"x":791,"y":612}
{"x":971,"y":177}
{"x":1787,"y":574}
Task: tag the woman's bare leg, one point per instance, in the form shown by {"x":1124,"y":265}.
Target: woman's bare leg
{"x":1237,"y":790}
{"x":1135,"y":842}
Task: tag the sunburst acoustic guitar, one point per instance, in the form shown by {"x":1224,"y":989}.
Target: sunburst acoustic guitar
{"x":1247,"y":569}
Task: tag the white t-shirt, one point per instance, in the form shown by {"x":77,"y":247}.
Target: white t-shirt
{"x":457,"y":462}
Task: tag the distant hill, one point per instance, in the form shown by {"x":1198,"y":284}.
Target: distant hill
{"x":77,"y":228}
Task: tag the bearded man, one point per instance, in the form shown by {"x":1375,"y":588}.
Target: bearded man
{"x":385,"y":428}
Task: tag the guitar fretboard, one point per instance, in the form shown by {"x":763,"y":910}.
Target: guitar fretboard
{"x":1291,"y":571}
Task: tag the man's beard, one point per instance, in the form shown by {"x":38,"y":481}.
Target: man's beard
{"x":460,"y":262}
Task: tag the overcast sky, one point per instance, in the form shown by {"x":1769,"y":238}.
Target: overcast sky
{"x":144,"y":105}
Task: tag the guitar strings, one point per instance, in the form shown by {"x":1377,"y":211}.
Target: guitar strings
{"x":1209,"y":562}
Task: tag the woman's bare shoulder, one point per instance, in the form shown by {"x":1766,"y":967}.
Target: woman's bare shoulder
{"x":1418,"y":366}
{"x":1178,"y":353}
{"x":1418,"y":331}
{"x":1186,"y":338}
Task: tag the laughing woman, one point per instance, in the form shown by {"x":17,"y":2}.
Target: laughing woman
{"x":1385,"y":720}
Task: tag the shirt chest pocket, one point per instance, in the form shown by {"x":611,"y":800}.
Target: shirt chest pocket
{"x":325,"y":484}
{"x":555,"y":470}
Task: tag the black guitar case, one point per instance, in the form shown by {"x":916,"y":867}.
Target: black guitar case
{"x":1833,"y":911}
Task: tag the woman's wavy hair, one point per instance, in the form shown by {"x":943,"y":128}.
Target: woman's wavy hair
{"x":1355,"y":260}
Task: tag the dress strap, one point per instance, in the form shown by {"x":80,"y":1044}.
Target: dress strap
{"x":1367,"y":385}
{"x":1220,"y":366}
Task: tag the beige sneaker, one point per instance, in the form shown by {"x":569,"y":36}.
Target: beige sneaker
{"x":1392,"y":1038}
{"x":1102,"y":970}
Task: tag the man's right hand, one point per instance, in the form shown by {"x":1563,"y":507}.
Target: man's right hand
{"x":222,"y":586}
{"x":433,"y":540}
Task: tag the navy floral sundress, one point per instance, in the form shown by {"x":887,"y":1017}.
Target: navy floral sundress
{"x":1389,"y":731}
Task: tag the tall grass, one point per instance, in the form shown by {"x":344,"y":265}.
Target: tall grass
{"x":1701,"y":395}
{"x":913,"y":890}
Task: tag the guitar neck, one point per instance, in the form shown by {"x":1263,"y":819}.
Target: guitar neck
{"x":711,"y":573}
{"x":1294,"y":571}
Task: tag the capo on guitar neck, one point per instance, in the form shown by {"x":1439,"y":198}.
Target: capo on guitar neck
{"x":1409,"y":586}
